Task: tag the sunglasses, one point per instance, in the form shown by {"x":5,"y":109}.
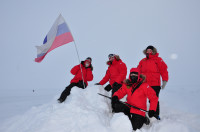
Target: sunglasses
{"x":111,"y":55}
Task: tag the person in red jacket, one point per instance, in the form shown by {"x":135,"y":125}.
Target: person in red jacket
{"x":81,"y":77}
{"x":137,"y":93}
{"x":153,"y":67}
{"x":115,"y":74}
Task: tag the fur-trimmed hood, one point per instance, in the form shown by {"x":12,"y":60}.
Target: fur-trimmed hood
{"x":128,"y":81}
{"x":154,"y":51}
{"x":117,"y":58}
{"x":143,"y":77}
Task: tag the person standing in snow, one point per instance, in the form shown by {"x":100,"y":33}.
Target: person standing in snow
{"x":115,"y":74}
{"x":153,"y":67}
{"x":82,"y":76}
{"x":137,"y":93}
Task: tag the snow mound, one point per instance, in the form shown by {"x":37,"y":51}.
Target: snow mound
{"x":120,"y":123}
{"x":86,"y":111}
{"x":82,"y":111}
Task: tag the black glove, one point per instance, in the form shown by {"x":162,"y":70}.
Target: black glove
{"x":151,"y":113}
{"x":114,"y":101}
{"x":118,"y":107}
{"x":97,"y":84}
{"x":108,"y":87}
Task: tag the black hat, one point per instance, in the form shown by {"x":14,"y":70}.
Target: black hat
{"x":89,"y":58}
{"x":150,"y":47}
{"x":111,"y":55}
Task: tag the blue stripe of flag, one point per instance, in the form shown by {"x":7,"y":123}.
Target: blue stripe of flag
{"x":45,"y":40}
{"x":62,"y":28}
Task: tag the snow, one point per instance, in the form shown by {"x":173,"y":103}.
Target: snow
{"x":120,"y":123}
{"x":99,"y":27}
{"x":85,"y":111}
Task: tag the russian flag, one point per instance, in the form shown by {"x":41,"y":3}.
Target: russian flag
{"x":58,"y":35}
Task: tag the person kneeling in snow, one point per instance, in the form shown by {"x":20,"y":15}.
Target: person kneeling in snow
{"x":137,"y":93}
{"x":83,"y":73}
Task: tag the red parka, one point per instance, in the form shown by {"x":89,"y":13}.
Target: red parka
{"x":116,"y":72}
{"x":139,"y":97}
{"x":87,"y":74}
{"x":153,"y":68}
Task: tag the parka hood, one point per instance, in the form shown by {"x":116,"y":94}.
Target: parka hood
{"x":135,"y":70}
{"x":141,"y":77}
{"x":117,"y":58}
{"x":153,"y":53}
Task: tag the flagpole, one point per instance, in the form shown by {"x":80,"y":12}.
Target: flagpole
{"x":79,"y":62}
{"x":77,"y":53}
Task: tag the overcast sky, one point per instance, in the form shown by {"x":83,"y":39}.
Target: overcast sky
{"x":99,"y":27}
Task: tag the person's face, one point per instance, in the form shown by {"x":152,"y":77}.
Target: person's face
{"x":111,"y":58}
{"x":87,"y":63}
{"x":149,"y":51}
{"x":134,"y":77}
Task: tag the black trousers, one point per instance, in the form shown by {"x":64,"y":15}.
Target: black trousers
{"x":115,"y":87}
{"x":67,"y":90}
{"x":120,"y":107}
{"x":137,"y":121}
{"x":157,"y":90}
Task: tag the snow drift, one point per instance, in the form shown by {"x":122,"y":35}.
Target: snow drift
{"x":86,"y":111}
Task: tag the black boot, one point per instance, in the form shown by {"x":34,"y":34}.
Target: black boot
{"x":146,"y":120}
{"x":60,"y":100}
{"x":66,"y":92}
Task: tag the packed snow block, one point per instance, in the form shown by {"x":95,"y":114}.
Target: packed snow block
{"x":120,"y":123}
